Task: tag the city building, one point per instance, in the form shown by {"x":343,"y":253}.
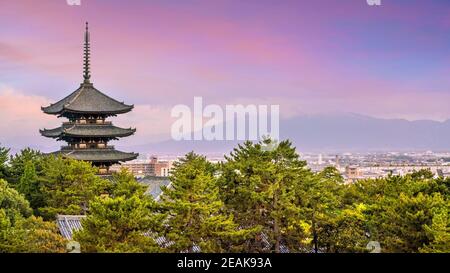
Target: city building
{"x":137,"y":167}
{"x":148,"y":167}
{"x":162,"y":168}
{"x":352,"y":173}
{"x":87,"y":132}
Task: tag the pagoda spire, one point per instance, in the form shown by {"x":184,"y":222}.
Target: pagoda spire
{"x":88,"y":131}
{"x":87,"y":55}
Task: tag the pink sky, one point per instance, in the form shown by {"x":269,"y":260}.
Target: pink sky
{"x":310,"y":57}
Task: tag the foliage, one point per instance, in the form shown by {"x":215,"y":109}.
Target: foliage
{"x":261,"y":198}
{"x":120,"y":223}
{"x":20,"y":232}
{"x":4,"y":152}
{"x":124,"y":184}
{"x":29,"y":185}
{"x":259,"y":186}
{"x":405,"y":213}
{"x":12,"y":203}
{"x":117,"y":225}
{"x":30,"y":235}
{"x":68,"y":186}
{"x":20,"y":161}
{"x":194,"y":214}
{"x":438,"y":232}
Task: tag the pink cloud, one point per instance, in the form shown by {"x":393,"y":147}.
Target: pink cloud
{"x":21,"y":119}
{"x":157,"y":54}
{"x":12,"y":54}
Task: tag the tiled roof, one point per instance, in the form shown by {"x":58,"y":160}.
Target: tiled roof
{"x":68,"y":224}
{"x":87,"y":99}
{"x":88,"y":130}
{"x":154,"y":185}
{"x":98,"y":155}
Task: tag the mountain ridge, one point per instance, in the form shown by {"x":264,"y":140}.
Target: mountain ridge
{"x":334,"y":133}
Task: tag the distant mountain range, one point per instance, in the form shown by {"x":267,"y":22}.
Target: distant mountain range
{"x":334,"y":133}
{"x":352,"y":132}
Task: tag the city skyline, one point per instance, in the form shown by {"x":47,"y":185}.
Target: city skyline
{"x":323,"y":57}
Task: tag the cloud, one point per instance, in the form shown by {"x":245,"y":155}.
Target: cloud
{"x":347,"y":58}
{"x":11,"y":53}
{"x":152,"y":122}
{"x":21,"y":118}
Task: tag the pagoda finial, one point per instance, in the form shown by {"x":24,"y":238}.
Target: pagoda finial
{"x":87,"y":55}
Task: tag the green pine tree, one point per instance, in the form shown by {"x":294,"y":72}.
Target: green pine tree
{"x":259,"y":186}
{"x":21,"y":232}
{"x":194,"y":214}
{"x":4,"y":154}
{"x":121,"y":222}
{"x":29,"y":186}
{"x":18,"y":164}
{"x":68,"y":186}
{"x":438,"y":232}
{"x":118,"y":224}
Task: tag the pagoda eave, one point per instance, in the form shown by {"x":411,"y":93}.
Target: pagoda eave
{"x":98,"y":155}
{"x":87,"y":130}
{"x":87,"y":100}
{"x":89,"y":112}
{"x":67,"y":111}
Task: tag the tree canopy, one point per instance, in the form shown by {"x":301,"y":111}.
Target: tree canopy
{"x":22,"y":232}
{"x":261,"y":198}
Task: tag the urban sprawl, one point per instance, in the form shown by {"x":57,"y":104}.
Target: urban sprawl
{"x":353,"y":166}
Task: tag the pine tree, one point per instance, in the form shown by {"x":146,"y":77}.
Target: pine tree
{"x":21,"y":232}
{"x":124,"y":184}
{"x":195,"y":216}
{"x":118,"y":224}
{"x":259,"y":186}
{"x":438,"y":232}
{"x":68,"y":186}
{"x":30,"y":235}
{"x":19,"y":161}
{"x":29,"y":185}
{"x":404,"y":213}
{"x":13,"y":203}
{"x":4,"y":153}
{"x":121,"y":222}
{"x":322,"y":207}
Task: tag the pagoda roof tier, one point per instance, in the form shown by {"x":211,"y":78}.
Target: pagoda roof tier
{"x":87,"y":100}
{"x":87,"y":130}
{"x":98,"y":155}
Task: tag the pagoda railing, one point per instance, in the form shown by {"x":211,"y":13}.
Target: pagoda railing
{"x":87,"y":123}
{"x":69,"y":148}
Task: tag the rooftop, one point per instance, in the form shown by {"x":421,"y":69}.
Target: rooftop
{"x":98,"y":155}
{"x":87,"y":99}
{"x":87,"y":130}
{"x":68,"y":224}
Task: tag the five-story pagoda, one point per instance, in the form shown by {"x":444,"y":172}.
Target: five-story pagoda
{"x":88,"y":132}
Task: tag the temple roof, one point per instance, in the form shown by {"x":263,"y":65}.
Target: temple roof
{"x":98,"y":155}
{"x":69,"y":224}
{"x":87,"y":99}
{"x":87,"y":130}
{"x":88,"y":102}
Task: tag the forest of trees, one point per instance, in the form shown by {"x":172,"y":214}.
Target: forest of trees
{"x":256,"y":200}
